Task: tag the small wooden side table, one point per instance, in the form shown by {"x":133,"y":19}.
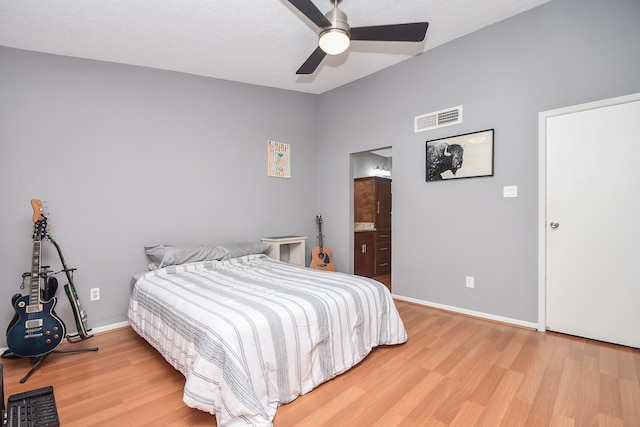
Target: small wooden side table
{"x":296,"y":248}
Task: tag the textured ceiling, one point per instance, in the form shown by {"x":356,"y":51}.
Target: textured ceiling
{"x":262,"y":42}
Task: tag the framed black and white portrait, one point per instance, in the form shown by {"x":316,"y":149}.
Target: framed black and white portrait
{"x":468,"y":155}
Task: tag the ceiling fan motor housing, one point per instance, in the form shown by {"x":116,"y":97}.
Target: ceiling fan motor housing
{"x":338,"y":20}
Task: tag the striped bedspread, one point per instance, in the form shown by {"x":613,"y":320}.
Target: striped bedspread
{"x":252,"y":333}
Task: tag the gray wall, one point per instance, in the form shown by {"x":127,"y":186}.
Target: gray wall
{"x":562,"y":53}
{"x":129,"y":156}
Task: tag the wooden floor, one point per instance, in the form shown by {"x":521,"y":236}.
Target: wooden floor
{"x":454,"y":371}
{"x":385,"y":280}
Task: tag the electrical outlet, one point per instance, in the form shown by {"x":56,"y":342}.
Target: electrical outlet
{"x":95,"y":294}
{"x":470,"y":282}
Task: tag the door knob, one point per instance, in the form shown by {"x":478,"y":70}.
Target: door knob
{"x":554,"y":225}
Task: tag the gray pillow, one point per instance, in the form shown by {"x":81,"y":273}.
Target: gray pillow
{"x":238,"y":249}
{"x":164,"y":255}
{"x":156,"y":252}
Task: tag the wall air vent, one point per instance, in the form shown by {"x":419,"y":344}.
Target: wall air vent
{"x":438,"y":119}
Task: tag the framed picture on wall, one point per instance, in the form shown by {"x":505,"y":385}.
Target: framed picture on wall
{"x":468,"y":155}
{"x":279,"y":159}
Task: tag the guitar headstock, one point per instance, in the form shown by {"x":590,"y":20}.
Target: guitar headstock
{"x":39,"y":220}
{"x":319,"y":219}
{"x":38,"y":210}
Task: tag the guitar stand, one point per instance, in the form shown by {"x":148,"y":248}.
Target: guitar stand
{"x":37,"y":361}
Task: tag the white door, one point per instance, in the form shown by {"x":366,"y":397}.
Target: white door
{"x":593,"y":223}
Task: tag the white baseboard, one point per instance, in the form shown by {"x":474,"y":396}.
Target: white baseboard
{"x":109,"y":327}
{"x":516,"y":322}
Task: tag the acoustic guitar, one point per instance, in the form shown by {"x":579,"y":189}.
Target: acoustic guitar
{"x":321,"y":255}
{"x":35,"y":330}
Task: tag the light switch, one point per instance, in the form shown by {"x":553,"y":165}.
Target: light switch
{"x":510,"y":191}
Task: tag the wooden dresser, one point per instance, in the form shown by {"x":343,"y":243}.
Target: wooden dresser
{"x":372,"y":208}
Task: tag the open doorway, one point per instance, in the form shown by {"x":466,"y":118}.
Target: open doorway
{"x":372,"y":177}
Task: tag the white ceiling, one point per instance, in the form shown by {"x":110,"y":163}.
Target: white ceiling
{"x":262,"y":42}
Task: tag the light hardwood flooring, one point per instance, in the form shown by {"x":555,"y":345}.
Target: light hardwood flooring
{"x":455,"y":370}
{"x":385,"y":280}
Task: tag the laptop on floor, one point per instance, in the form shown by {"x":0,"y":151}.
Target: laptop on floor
{"x":33,"y":408}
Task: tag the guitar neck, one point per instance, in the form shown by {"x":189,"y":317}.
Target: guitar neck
{"x":34,"y":283}
{"x":320,"y":237}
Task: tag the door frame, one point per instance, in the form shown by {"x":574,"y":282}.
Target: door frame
{"x":542,"y":190}
{"x":352,"y":176}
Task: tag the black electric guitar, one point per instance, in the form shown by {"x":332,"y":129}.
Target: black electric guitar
{"x":35,"y":330}
{"x":321,"y":255}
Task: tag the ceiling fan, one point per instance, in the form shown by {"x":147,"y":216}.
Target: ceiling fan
{"x":336,"y":35}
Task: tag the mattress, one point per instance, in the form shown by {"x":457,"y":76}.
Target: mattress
{"x":252,"y":333}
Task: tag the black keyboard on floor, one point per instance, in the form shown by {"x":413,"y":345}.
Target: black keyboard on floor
{"x":34,"y":408}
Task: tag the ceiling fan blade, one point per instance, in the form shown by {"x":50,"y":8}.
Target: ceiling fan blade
{"x":392,"y":33}
{"x":312,"y":62}
{"x":310,"y":10}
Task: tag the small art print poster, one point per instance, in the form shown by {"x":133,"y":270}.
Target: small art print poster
{"x":279,"y":159}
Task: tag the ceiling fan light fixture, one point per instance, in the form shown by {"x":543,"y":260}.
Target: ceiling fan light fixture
{"x":334,"y":41}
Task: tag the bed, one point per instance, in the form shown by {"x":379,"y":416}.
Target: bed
{"x":250,"y":333}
